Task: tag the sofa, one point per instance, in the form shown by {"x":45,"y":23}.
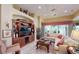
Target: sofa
{"x":71,"y":42}
{"x":68,"y":42}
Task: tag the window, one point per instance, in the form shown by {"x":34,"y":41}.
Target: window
{"x":62,"y":29}
{"x":77,"y":27}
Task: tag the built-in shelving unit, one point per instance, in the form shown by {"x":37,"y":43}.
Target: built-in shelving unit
{"x":20,"y":15}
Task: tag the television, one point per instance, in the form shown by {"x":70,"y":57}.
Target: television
{"x":25,"y":31}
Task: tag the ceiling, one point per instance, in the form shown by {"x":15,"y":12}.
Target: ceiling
{"x":51,"y":10}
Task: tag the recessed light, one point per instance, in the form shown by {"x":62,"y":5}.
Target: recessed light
{"x":53,"y":14}
{"x":66,"y":11}
{"x":39,"y":7}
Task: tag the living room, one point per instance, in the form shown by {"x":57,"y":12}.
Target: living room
{"x":49,"y":30}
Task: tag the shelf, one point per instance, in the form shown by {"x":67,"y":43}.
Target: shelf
{"x":21,"y":14}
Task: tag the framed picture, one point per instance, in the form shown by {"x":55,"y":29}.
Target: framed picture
{"x":6,"y":33}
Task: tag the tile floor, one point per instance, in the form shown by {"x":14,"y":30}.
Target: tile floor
{"x":31,"y":49}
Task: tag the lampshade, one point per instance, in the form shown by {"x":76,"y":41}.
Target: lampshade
{"x":75,"y":34}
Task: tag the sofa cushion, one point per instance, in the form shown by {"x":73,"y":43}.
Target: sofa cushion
{"x":63,"y":49}
{"x":71,"y":42}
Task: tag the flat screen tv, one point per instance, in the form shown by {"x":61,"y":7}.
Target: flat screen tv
{"x":25,"y":31}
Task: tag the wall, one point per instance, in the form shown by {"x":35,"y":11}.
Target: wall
{"x":6,"y":17}
{"x":58,"y":19}
{"x":76,"y":17}
{"x":76,"y":13}
{"x":16,"y":7}
{"x":37,"y":21}
{"x":0,"y":20}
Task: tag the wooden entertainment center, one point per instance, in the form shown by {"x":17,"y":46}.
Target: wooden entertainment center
{"x":18,"y":20}
{"x":23,"y":40}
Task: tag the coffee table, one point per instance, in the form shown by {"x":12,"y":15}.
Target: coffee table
{"x":43,"y":43}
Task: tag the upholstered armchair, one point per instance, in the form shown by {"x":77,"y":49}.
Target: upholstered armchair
{"x":11,"y":49}
{"x":65,"y":49}
{"x":59,"y":40}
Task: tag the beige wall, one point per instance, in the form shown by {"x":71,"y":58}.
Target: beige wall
{"x":0,"y":20}
{"x":76,"y":13}
{"x":76,"y":17}
{"x":6,"y":17}
{"x":36,"y":21}
{"x":58,"y":19}
{"x":16,"y":7}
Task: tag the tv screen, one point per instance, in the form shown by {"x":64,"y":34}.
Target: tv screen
{"x":25,"y":31}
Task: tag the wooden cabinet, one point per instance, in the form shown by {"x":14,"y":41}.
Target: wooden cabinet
{"x":15,"y":40}
{"x":21,"y":36}
{"x":19,"y":40}
{"x":31,"y":38}
{"x":22,"y":41}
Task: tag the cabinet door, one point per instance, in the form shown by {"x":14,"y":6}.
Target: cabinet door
{"x":22,"y":41}
{"x":15,"y":40}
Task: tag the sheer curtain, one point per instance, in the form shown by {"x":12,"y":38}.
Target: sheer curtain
{"x":62,"y":29}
